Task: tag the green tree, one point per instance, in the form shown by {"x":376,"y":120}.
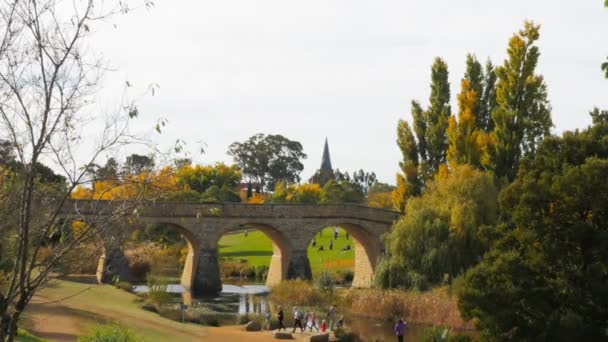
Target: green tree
{"x":546,"y":279}
{"x":443,"y":231}
{"x":484,"y":85}
{"x":136,"y":164}
{"x":474,"y":76}
{"x":523,"y":115}
{"x":269,"y":159}
{"x":437,"y":116}
{"x":422,"y":156}
{"x":488,"y":99}
{"x":341,"y":192}
{"x":409,"y":182}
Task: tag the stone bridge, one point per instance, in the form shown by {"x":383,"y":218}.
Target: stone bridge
{"x":290,"y":227}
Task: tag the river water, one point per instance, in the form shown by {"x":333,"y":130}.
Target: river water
{"x":235,"y":301}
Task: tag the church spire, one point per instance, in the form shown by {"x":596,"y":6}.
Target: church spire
{"x":326,"y":161}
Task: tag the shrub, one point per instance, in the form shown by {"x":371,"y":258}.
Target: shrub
{"x":436,"y":334}
{"x":110,"y":333}
{"x":157,"y":291}
{"x":325,"y":283}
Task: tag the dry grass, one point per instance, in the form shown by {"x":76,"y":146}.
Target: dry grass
{"x":295,"y":292}
{"x":435,"y":307}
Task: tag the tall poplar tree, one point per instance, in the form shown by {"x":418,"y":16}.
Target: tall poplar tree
{"x":474,"y":76}
{"x":408,"y":181}
{"x":483,"y":82}
{"x":437,"y":117}
{"x":467,"y":142}
{"x":523,"y":115}
{"x":488,"y":99}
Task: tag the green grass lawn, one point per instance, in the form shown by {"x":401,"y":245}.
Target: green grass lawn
{"x":256,"y":248}
{"x":94,"y":304}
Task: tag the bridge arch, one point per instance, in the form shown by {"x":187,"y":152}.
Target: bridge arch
{"x":112,"y":261}
{"x":281,"y":247}
{"x":367,"y":248}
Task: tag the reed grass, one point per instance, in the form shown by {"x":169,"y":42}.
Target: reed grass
{"x":436,"y":307}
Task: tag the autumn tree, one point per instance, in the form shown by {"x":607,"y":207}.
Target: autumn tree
{"x":409,"y":181}
{"x":443,"y":231}
{"x":269,"y":159}
{"x":380,"y":196}
{"x":483,"y":83}
{"x":523,"y":115}
{"x":467,"y":143}
{"x":48,"y":79}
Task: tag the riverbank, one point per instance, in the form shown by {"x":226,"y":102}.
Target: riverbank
{"x":66,"y":310}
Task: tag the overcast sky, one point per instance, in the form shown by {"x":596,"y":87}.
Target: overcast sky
{"x":345,"y":70}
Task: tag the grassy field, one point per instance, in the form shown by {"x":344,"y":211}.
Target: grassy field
{"x":256,"y":248}
{"x":68,"y":309}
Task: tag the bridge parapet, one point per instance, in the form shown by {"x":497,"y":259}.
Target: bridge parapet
{"x":231,"y":210}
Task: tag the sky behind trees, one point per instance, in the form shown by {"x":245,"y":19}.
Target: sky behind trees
{"x":346,"y":70}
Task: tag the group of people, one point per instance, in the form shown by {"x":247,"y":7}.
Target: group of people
{"x":308,"y":319}
{"x":303,"y":320}
{"x":331,"y":242}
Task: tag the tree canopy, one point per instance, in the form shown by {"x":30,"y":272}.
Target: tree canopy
{"x":523,"y":114}
{"x":269,"y":159}
{"x":547,"y":277}
{"x":443,"y":231}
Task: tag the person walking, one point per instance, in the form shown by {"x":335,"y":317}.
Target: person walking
{"x":323,"y":326}
{"x":331,"y":314}
{"x":313,"y":321}
{"x":336,"y":233}
{"x":280,"y":317}
{"x":268,"y":319}
{"x":306,"y":320}
{"x":297,"y":320}
{"x":331,"y":245}
{"x":400,"y":330}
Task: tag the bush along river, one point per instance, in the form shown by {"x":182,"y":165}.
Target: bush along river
{"x":237,"y":305}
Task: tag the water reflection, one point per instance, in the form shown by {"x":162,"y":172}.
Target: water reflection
{"x":235,"y":301}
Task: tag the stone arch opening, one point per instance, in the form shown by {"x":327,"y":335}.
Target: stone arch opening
{"x":363,"y":247}
{"x":281,"y":248}
{"x":117,"y":247}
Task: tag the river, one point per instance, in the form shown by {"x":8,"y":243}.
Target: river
{"x":235,"y":301}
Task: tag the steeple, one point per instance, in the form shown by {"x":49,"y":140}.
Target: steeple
{"x":326,"y":161}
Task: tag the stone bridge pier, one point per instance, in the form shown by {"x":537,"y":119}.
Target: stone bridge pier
{"x":290,"y":228}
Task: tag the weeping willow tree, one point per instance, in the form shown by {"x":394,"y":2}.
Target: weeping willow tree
{"x":444,"y":231}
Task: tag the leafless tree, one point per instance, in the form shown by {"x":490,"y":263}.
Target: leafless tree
{"x":48,"y":83}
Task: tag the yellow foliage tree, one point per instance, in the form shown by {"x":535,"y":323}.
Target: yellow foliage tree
{"x":382,"y":200}
{"x":257,"y":199}
{"x":467,"y":144}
